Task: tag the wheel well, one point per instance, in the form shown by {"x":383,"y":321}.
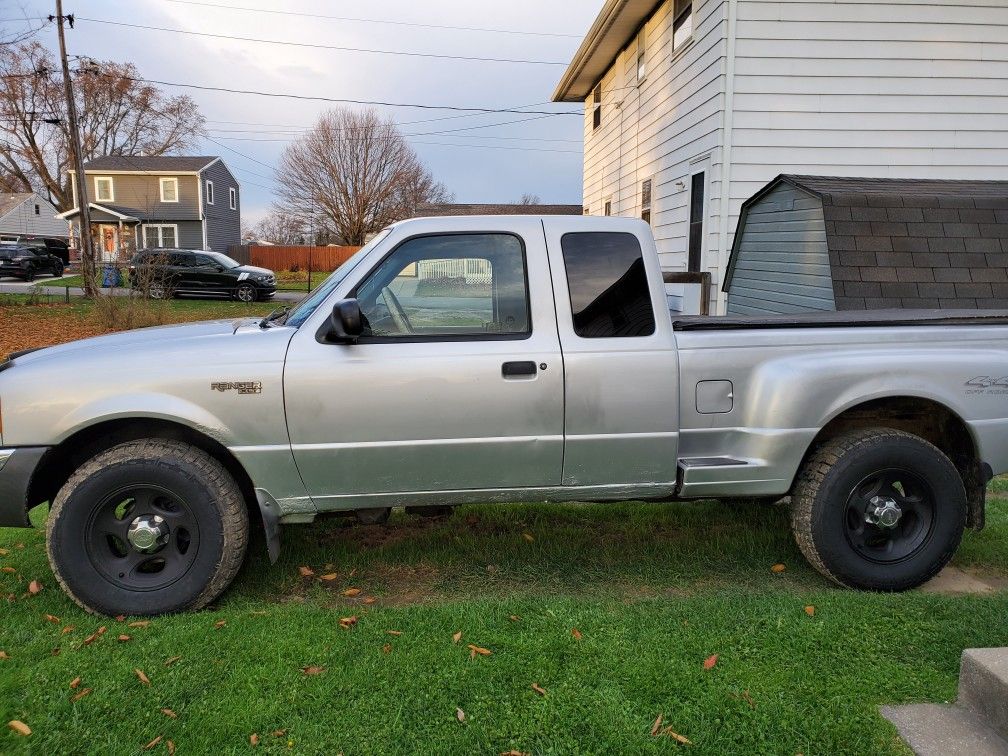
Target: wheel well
{"x":930,"y":420}
{"x":60,"y":462}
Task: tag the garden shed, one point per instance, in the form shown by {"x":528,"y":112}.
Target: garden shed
{"x":819,"y":243}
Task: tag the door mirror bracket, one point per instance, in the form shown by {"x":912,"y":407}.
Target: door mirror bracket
{"x":344,"y":326}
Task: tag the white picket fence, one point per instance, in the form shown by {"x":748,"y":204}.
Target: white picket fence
{"x":472,"y":270}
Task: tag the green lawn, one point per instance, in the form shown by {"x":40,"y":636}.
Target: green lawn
{"x":653,"y":590}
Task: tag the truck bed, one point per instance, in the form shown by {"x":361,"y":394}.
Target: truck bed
{"x":845,"y":319}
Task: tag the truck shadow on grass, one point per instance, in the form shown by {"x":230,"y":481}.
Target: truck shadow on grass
{"x":632,"y":551}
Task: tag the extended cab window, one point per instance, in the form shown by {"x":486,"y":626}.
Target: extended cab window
{"x":608,"y":285}
{"x":462,"y":285}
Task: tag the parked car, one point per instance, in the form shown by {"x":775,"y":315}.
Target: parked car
{"x":467,"y":359}
{"x":53,"y":245}
{"x":163,"y":273}
{"x":27,"y":261}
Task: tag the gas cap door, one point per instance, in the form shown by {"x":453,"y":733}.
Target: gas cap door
{"x":714,"y":397}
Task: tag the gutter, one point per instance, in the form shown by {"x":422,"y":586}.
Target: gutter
{"x":609,"y":14}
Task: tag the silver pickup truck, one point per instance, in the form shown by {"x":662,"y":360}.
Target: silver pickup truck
{"x":458,"y":360}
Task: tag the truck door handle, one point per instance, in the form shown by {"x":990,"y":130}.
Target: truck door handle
{"x":519,"y":369}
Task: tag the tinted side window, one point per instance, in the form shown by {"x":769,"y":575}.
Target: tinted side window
{"x":608,"y":285}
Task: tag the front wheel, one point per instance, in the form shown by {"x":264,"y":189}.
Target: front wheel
{"x":29,"y":275}
{"x":158,"y":290}
{"x":57,"y":270}
{"x":147,"y":527}
{"x":245,"y":293}
{"x":879,"y":510}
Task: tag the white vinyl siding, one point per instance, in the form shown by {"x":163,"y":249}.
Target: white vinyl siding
{"x":104,"y":191}
{"x":169,"y":189}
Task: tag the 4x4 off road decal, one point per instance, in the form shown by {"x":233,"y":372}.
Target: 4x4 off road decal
{"x":242,"y":387}
{"x":985,"y":384}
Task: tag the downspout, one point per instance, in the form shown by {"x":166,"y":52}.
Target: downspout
{"x":726,"y":153}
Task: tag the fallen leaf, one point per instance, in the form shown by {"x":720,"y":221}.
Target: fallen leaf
{"x":514,"y":752}
{"x":330,"y":577}
{"x":90,"y":639}
{"x":670,"y":733}
{"x":353,"y":572}
{"x":4,"y":552}
{"x":34,"y":587}
{"x":67,"y":629}
{"x":459,"y":714}
{"x":514,"y":618}
{"x":52,"y":618}
{"x":710,"y":661}
{"x":139,"y":623}
{"x":170,"y":745}
{"x":306,"y":571}
{"x":80,"y":695}
{"x":18,"y":545}
{"x":810,"y":611}
{"x":370,"y":600}
{"x":124,"y":638}
{"x":102,"y":630}
{"x":473,"y":650}
{"x":9,"y":571}
{"x":172,"y":660}
{"x":778,"y":568}
{"x":457,"y":637}
{"x":347,"y":622}
{"x":55,"y":651}
{"x":120,"y":618}
{"x":75,"y":682}
{"x":352,"y":592}
{"x":313,"y":670}
{"x":538,"y":689}
{"x":387,"y":648}
{"x":394,"y":632}
{"x":153,"y":743}
{"x":19,"y":727}
{"x":141,"y":676}
{"x":254,"y":739}
{"x":279,"y":733}
{"x":219,"y":624}
{"x":748,"y":698}
{"x":576,"y":633}
{"x":169,"y":713}
{"x":528,"y":536}
{"x":657,"y":725}
{"x":3,"y":655}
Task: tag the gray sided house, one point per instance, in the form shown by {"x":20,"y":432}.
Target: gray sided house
{"x":26,"y":215}
{"x":193,"y":202}
{"x":815,"y":243}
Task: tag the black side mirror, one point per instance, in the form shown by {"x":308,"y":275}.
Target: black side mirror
{"x":346,"y":323}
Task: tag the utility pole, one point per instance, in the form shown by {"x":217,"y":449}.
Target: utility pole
{"x":87,"y":248}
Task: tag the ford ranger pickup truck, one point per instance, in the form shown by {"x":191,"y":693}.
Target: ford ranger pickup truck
{"x":498,"y":359}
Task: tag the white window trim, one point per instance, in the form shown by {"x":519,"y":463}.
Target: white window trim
{"x":111,"y":186}
{"x":160,"y":234}
{"x":161,"y":185}
{"x":640,"y":53}
{"x":209,"y":192}
{"x":233,"y":198}
{"x":686,"y":43}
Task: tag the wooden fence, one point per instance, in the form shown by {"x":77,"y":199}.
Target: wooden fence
{"x":323,"y":259}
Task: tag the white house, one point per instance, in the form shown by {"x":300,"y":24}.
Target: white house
{"x":26,"y":214}
{"x":690,"y":108}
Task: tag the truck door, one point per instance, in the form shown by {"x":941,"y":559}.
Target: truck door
{"x":620,"y":366}
{"x":457,"y":384}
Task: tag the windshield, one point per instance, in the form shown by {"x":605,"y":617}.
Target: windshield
{"x":224,"y":260}
{"x":307,"y":305}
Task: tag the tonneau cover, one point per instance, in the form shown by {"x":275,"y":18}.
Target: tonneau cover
{"x":843,"y":319}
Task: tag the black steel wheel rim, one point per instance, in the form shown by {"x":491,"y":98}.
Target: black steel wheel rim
{"x":110,"y":544}
{"x":871,"y":536}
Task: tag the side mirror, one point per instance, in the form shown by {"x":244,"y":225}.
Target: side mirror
{"x":346,"y":323}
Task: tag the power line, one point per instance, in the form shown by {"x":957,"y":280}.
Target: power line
{"x":315,"y":46}
{"x":345,"y":100}
{"x":375,"y":20}
{"x":501,"y":147}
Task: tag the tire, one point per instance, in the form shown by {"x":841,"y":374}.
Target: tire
{"x":98,"y":559}
{"x":245,"y":293}
{"x":839,"y":510}
{"x":29,"y":275}
{"x":157,"y":290}
{"x":373,"y":516}
{"x":57,"y":270}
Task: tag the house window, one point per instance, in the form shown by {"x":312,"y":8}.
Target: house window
{"x":597,"y":107}
{"x":641,"y":58}
{"x":608,"y":208}
{"x":169,"y":190}
{"x":682,"y":26}
{"x":233,"y":198}
{"x":38,"y":210}
{"x":163,"y":235}
{"x":645,"y":200}
{"x":209,"y":192}
{"x":103,"y":189}
{"x":696,"y":215}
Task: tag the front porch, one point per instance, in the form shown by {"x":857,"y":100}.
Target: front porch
{"x":114,"y":234}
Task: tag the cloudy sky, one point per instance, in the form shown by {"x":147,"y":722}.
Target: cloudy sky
{"x":494,"y":163}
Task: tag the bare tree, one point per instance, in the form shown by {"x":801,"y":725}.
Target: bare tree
{"x":119,"y":115}
{"x":279,"y":227}
{"x":354,"y":173}
{"x":530,"y":199}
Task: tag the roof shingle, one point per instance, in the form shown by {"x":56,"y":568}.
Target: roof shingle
{"x":163,"y":163}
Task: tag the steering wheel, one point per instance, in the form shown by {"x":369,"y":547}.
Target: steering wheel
{"x":397,"y":312}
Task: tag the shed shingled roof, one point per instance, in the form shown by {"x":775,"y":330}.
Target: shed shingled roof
{"x":908,"y":243}
{"x":495,"y":209}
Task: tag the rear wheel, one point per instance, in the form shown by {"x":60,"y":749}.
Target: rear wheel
{"x":245,"y":293}
{"x":29,"y":275}
{"x":147,"y":527}
{"x":157,"y":290}
{"x":57,"y":269}
{"x":880,"y":510}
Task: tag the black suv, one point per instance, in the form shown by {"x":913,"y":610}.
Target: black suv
{"x":162,"y":273}
{"x":26,"y":261}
